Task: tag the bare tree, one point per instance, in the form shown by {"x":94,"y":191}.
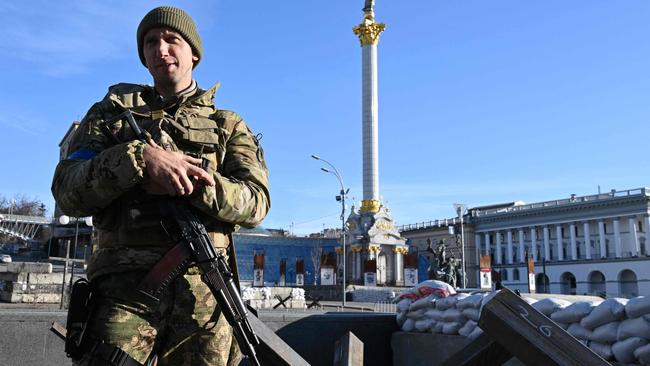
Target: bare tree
{"x":22,"y":205}
{"x":317,"y":260}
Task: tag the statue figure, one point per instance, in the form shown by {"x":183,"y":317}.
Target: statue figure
{"x":442,"y":252}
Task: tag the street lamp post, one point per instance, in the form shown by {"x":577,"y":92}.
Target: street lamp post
{"x":340,"y":198}
{"x":460,"y":211}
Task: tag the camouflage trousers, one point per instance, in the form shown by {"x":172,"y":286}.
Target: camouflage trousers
{"x":185,"y":328}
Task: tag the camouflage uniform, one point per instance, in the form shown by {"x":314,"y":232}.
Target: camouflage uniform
{"x":103,"y":177}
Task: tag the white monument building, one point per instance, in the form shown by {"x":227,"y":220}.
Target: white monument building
{"x":595,"y":244}
{"x":375,"y":247}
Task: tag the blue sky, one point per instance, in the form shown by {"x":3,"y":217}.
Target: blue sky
{"x":479,"y":101}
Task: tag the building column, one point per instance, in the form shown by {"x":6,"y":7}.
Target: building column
{"x":509,"y":248}
{"x":547,"y":246}
{"x":646,"y":223}
{"x":558,"y":240}
{"x":498,"y":251}
{"x":521,"y":246}
{"x":602,"y":239}
{"x":633,"y":236}
{"x":574,"y":244}
{"x":487,"y":243}
{"x":617,"y":239}
{"x":399,"y":267}
{"x":587,"y":236}
{"x":533,"y":243}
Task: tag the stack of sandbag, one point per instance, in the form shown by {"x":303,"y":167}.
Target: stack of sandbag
{"x":297,"y":293}
{"x":412,"y":304}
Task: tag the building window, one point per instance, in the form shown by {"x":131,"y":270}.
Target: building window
{"x":605,"y":227}
{"x":575,"y":230}
{"x":562,"y":232}
{"x":515,"y":274}
{"x":640,"y":226}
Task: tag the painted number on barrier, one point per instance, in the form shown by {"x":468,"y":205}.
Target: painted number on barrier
{"x":544,"y":329}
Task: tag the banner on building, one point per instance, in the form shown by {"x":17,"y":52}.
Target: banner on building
{"x":410,"y":277}
{"x":327,"y":276}
{"x":283,"y":272}
{"x":370,"y":279}
{"x":531,"y":276}
{"x":300,"y":271}
{"x":485,"y":272}
{"x":258,"y":270}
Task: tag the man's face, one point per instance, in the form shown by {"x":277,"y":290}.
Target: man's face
{"x":169,"y":58}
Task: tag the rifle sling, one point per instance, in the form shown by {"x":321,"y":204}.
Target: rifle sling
{"x":170,"y":266}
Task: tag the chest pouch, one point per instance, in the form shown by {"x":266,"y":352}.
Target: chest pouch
{"x":199,"y":133}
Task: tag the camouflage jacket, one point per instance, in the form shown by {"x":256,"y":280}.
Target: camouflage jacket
{"x":104,"y":173}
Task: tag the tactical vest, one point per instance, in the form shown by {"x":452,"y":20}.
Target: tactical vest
{"x":193,"y":126}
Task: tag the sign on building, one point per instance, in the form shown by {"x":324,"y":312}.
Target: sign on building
{"x":258,"y":270}
{"x":531,"y":276}
{"x":300,"y":271}
{"x":283,"y":272}
{"x":410,"y":269}
{"x":486,"y":272}
{"x":370,"y":272}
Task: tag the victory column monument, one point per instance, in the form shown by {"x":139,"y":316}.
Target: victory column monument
{"x":376,"y":246}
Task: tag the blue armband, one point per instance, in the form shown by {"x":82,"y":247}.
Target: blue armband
{"x":82,"y":154}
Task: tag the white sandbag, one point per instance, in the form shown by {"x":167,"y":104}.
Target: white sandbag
{"x":422,"y":303}
{"x":564,"y":326}
{"x":578,"y":331}
{"x":423,"y":325}
{"x":449,"y":301}
{"x":475,"y":333}
{"x":451,"y":327}
{"x":436,"y":327}
{"x":471,"y":313}
{"x":636,"y":327}
{"x":471,"y":301}
{"x":643,"y":354}
{"x":468,"y":328}
{"x":608,"y":311}
{"x":408,"y":325}
{"x":403,"y":305}
{"x":426,"y":288}
{"x":550,"y":305}
{"x":574,"y":312}
{"x":606,"y":333}
{"x":637,"y":306}
{"x":401,"y":318}
{"x":624,"y":350}
{"x":453,"y":315}
{"x":416,"y":315}
{"x":602,"y":350}
{"x":434,"y":314}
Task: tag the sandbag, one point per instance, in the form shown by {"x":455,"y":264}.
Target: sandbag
{"x":624,"y":350}
{"x":453,"y":315}
{"x":574,"y":312}
{"x":436,"y":327}
{"x":425,"y":302}
{"x":471,"y":313}
{"x":423,"y":325}
{"x":451,"y":327}
{"x":637,"y":306}
{"x":636,"y":327}
{"x":408,"y":325}
{"x":550,"y":305}
{"x":602,"y":350}
{"x":449,"y":301}
{"x":487,"y":298}
{"x":416,"y":315}
{"x":606,"y":333}
{"x":434,"y":314}
{"x":643,"y":354}
{"x":529,"y":300}
{"x":401,"y":318}
{"x":471,"y":301}
{"x":468,"y":328}
{"x":578,"y":331}
{"x":475,"y":333}
{"x":608,"y":311}
{"x":403,"y":305}
{"x":426,"y":288}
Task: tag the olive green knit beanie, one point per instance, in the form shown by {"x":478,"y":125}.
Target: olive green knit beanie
{"x":175,"y":18}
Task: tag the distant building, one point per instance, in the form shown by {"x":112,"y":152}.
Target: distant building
{"x":594,"y":244}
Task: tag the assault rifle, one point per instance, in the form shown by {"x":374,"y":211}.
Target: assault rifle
{"x":194,"y":246}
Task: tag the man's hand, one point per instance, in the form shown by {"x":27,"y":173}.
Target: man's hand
{"x":170,"y":172}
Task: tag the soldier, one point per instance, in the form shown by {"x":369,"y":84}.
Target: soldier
{"x":120,"y":181}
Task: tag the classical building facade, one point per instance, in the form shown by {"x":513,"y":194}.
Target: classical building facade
{"x":594,"y":244}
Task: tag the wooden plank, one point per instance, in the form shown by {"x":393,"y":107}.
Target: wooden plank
{"x":273,"y":350}
{"x":481,"y":351}
{"x":348,"y":351}
{"x":530,"y":335}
